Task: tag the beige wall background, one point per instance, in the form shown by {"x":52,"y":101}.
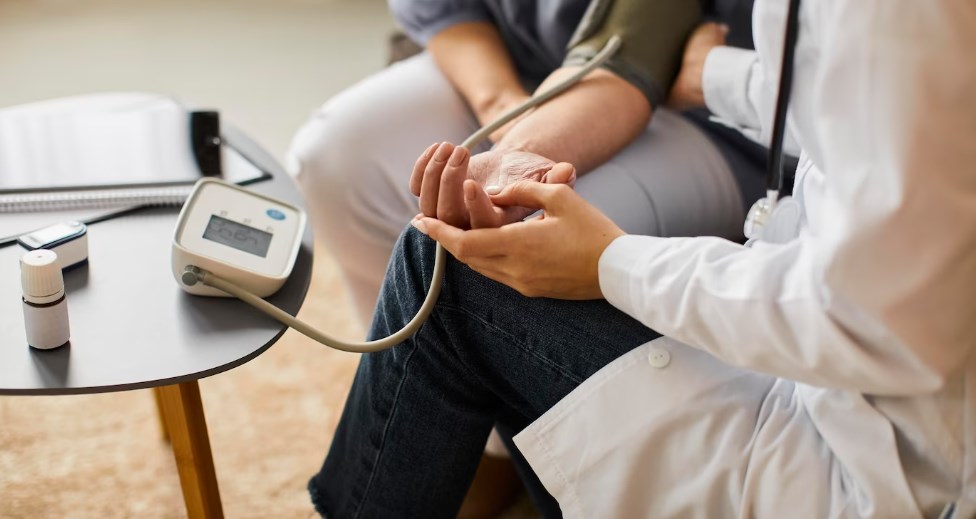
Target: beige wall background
{"x":264,"y":63}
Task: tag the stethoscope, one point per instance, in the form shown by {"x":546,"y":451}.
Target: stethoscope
{"x":757,"y":222}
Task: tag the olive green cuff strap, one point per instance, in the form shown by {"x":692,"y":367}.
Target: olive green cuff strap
{"x":653,"y":34}
{"x":635,"y":75}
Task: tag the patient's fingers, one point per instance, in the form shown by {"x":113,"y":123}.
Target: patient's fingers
{"x":481,"y":212}
{"x":561,"y":173}
{"x":417,"y":175}
{"x":432,"y":179}
{"x":450,"y":201}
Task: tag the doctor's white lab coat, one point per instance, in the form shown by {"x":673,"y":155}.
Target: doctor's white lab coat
{"x":833,"y":375}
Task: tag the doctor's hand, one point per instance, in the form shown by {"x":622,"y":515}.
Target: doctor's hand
{"x":440,"y":174}
{"x":687,"y":91}
{"x":555,"y":255}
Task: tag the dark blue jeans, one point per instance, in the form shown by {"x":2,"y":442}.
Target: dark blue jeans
{"x":416,"y":421}
{"x":417,"y":418}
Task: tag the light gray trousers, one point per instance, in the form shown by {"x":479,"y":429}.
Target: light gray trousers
{"x":353,"y":159}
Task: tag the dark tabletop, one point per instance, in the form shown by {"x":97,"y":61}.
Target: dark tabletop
{"x":131,"y":325}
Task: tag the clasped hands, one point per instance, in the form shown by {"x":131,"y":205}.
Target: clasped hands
{"x":553,"y":255}
{"x":475,"y":205}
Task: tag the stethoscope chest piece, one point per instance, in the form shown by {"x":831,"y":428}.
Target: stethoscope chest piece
{"x":773,"y":222}
{"x":756,"y":218}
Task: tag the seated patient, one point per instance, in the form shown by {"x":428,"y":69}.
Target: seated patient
{"x":831,"y":375}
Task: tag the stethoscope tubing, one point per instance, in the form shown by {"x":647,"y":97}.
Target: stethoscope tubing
{"x":775,"y":175}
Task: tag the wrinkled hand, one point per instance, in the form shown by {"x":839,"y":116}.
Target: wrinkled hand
{"x":687,"y":90}
{"x":556,"y":255}
{"x":451,"y":183}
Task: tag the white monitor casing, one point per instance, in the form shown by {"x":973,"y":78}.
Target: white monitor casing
{"x":261,"y":275}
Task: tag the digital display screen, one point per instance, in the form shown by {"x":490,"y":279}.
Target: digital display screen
{"x":238,"y":236}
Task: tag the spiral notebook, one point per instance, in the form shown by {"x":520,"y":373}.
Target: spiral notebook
{"x":90,"y":157}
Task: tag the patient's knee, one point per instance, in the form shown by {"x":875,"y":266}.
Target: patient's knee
{"x":332,"y":154}
{"x":320,"y":156}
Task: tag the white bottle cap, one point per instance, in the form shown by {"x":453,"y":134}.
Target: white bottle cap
{"x":40,"y":276}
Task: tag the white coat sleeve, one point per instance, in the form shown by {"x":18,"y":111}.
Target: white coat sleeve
{"x":881,"y":298}
{"x":738,"y":95}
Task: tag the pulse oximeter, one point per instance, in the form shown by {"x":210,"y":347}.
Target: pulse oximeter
{"x":69,"y":240}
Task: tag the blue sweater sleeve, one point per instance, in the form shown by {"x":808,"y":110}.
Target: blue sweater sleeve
{"x":422,"y":19}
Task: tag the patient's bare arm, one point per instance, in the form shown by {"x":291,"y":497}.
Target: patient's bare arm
{"x":474,"y":59}
{"x":584,"y":126}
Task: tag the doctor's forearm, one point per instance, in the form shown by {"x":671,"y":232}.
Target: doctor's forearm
{"x":475,"y":60}
{"x":586,"y":125}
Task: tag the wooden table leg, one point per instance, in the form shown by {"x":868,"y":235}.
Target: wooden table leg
{"x":187,"y":427}
{"x":157,"y":394}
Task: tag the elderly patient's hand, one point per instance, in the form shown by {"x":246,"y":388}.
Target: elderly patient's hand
{"x":556,"y":255}
{"x":439,"y":177}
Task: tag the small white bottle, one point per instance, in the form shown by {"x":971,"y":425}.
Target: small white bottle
{"x":45,"y":306}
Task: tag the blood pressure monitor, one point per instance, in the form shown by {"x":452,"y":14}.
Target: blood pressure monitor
{"x":244,"y":237}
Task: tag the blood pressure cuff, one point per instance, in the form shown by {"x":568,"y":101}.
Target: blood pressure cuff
{"x":654,"y":33}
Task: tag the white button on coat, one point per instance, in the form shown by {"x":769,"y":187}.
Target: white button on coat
{"x":659,"y":357}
